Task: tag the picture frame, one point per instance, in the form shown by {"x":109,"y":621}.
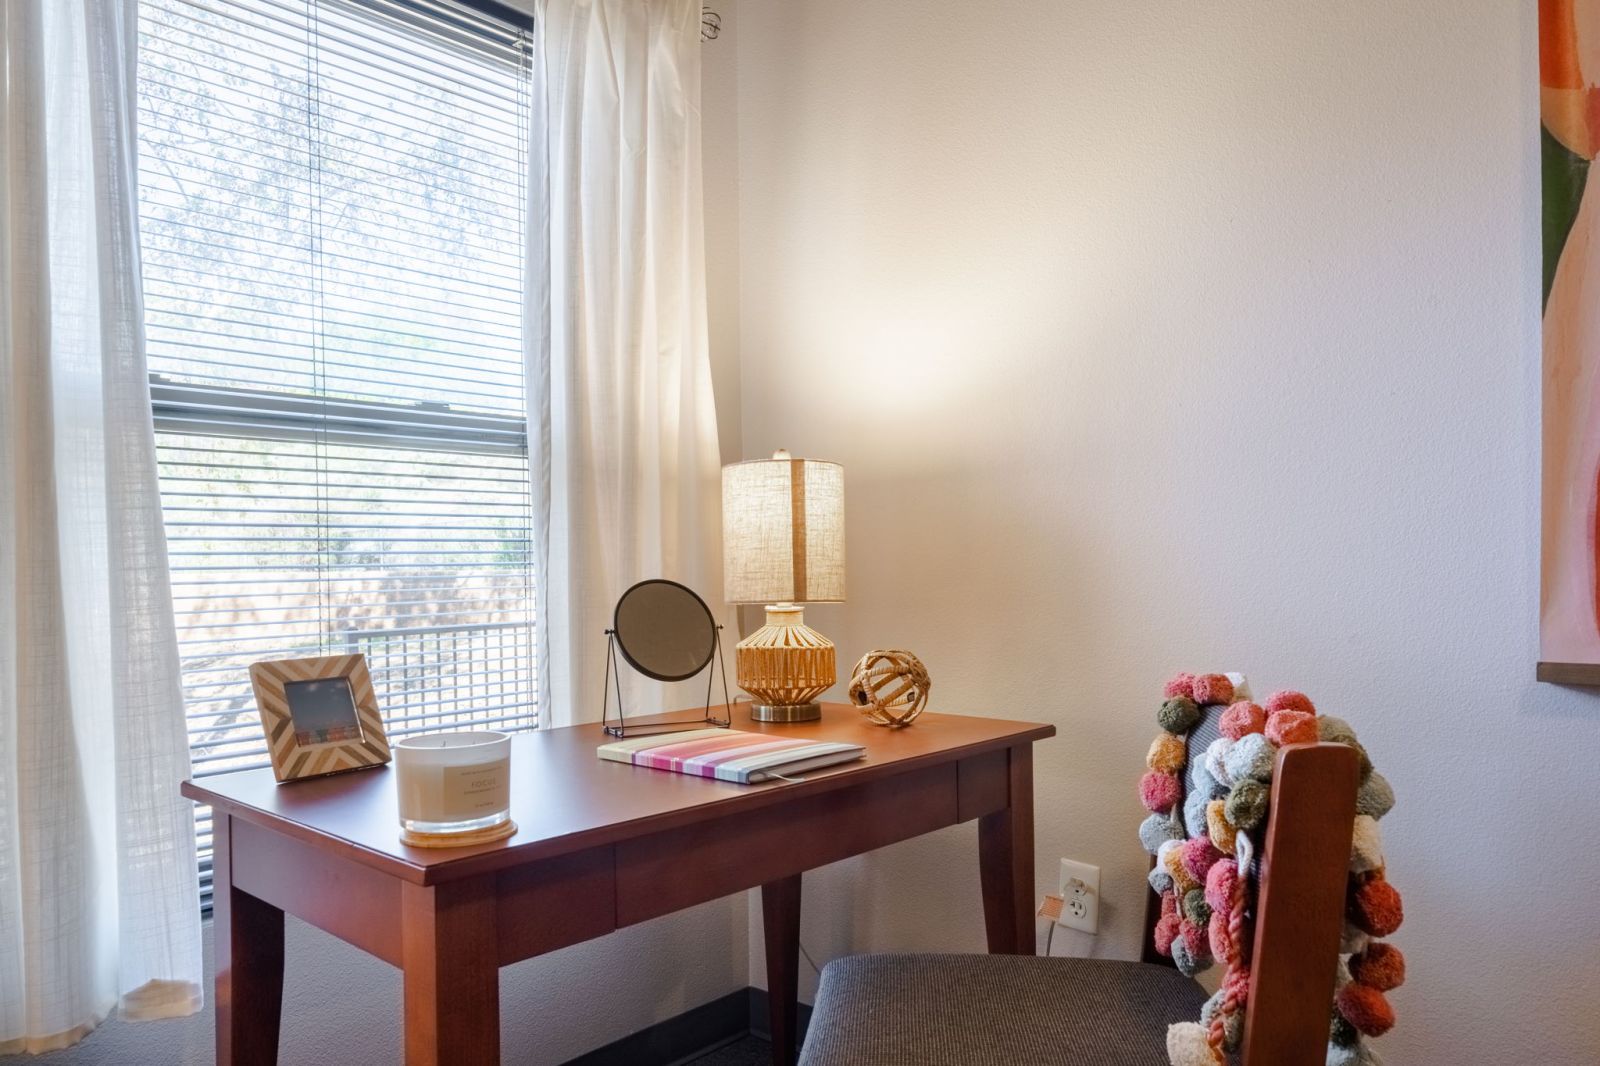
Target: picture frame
{"x":320,"y":716}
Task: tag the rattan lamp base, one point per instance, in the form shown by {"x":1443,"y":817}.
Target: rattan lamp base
{"x":785,"y":665}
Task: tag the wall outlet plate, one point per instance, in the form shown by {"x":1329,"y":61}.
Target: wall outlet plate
{"x":1080,"y":896}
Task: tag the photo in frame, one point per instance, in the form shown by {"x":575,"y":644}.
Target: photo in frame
{"x":320,"y":716}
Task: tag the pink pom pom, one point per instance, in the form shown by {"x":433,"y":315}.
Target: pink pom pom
{"x":1213,"y":688}
{"x":1242,"y":719}
{"x":1197,"y":939}
{"x":1169,"y":904}
{"x":1182,"y":685}
{"x":1289,"y":700}
{"x":1166,"y":930}
{"x":1159,"y":792}
{"x":1199,"y":855}
{"x":1217,"y":934}
{"x":1291,"y":727}
{"x":1220,"y":883}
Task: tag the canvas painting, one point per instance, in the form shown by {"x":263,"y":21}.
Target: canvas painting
{"x":1569,"y":105}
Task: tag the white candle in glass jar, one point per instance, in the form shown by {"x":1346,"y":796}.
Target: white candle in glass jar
{"x":453,"y":782}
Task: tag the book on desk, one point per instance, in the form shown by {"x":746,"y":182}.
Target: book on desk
{"x":730,"y":754}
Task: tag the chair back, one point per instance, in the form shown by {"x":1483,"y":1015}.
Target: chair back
{"x":1299,"y":904}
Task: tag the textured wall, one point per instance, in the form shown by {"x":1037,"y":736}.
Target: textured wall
{"x":1187,"y":336}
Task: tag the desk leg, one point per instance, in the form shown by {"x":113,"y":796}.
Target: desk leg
{"x":450,"y":958}
{"x":1005,"y":857}
{"x":247,"y":942}
{"x":780,"y":919}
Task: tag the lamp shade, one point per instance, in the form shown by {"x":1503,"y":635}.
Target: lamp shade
{"x":783,"y":531}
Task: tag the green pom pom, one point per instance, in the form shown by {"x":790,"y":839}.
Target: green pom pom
{"x":1376,"y":797}
{"x":1195,"y":907}
{"x":1366,"y":760}
{"x":1331,"y":730}
{"x":1178,"y":715}
{"x":1247,"y":804}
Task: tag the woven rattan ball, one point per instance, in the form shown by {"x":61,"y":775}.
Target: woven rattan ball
{"x":890,"y":686}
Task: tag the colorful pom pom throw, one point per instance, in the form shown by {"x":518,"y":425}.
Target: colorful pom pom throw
{"x":1204,"y":844}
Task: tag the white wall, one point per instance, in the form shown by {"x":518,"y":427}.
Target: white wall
{"x":1187,"y":336}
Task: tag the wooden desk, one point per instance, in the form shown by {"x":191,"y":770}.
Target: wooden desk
{"x":599,"y":845}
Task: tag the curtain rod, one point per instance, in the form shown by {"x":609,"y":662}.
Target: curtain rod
{"x":710,"y":21}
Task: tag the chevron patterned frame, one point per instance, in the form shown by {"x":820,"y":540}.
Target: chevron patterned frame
{"x":291,"y":759}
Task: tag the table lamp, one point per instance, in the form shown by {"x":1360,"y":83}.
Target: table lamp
{"x":783,"y":546}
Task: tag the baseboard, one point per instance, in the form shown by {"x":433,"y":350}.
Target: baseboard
{"x":694,"y":1032}
{"x":758,"y":1016}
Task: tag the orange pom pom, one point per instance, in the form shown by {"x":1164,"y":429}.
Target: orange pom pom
{"x":1291,"y":727}
{"x":1365,"y":1008}
{"x":1223,"y":835}
{"x":1380,"y":966}
{"x":1288,"y":700}
{"x":1167,"y":754}
{"x":1213,"y":688}
{"x":1242,"y":719}
{"x":1182,"y":879}
{"x":1375,"y":908}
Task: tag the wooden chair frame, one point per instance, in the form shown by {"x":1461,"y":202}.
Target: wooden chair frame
{"x":1299,"y":908}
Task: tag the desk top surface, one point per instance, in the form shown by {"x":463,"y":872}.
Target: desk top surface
{"x":565,"y":798}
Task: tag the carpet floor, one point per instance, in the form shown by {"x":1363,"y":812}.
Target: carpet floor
{"x":746,"y":1051}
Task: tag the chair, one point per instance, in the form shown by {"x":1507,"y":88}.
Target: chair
{"x":976,"y":1010}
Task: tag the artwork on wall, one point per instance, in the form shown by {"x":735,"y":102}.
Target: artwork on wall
{"x":1569,"y":96}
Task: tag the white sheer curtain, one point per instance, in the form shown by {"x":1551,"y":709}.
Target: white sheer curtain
{"x":98,"y":901}
{"x":626,"y":467}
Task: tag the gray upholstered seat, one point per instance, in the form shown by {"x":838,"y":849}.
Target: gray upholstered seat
{"x":976,"y":1010}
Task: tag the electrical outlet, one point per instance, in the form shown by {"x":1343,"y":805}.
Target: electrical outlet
{"x":1080,"y":896}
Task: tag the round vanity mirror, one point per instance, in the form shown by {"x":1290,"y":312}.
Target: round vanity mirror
{"x":665,"y":631}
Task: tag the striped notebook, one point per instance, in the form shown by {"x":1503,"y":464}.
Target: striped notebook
{"x":730,"y":754}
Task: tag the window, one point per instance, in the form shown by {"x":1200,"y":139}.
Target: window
{"x":333,"y":212}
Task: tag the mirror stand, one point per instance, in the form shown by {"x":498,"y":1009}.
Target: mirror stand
{"x":622,"y":729}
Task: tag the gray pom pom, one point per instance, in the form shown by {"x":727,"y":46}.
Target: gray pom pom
{"x":1160,"y":880}
{"x":1156,"y":829}
{"x":1250,"y":757}
{"x":1360,"y":1053}
{"x":1376,"y":797}
{"x":1186,"y":961}
{"x":1194,"y":814}
{"x":1232,"y":1029}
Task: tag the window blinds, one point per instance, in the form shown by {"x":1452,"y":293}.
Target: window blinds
{"x":332,"y":211}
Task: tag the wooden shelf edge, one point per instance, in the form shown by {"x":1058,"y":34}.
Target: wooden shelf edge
{"x":1569,"y":673}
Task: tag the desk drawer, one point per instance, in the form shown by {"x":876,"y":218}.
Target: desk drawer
{"x":682,"y":867}
{"x":555,"y":903}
